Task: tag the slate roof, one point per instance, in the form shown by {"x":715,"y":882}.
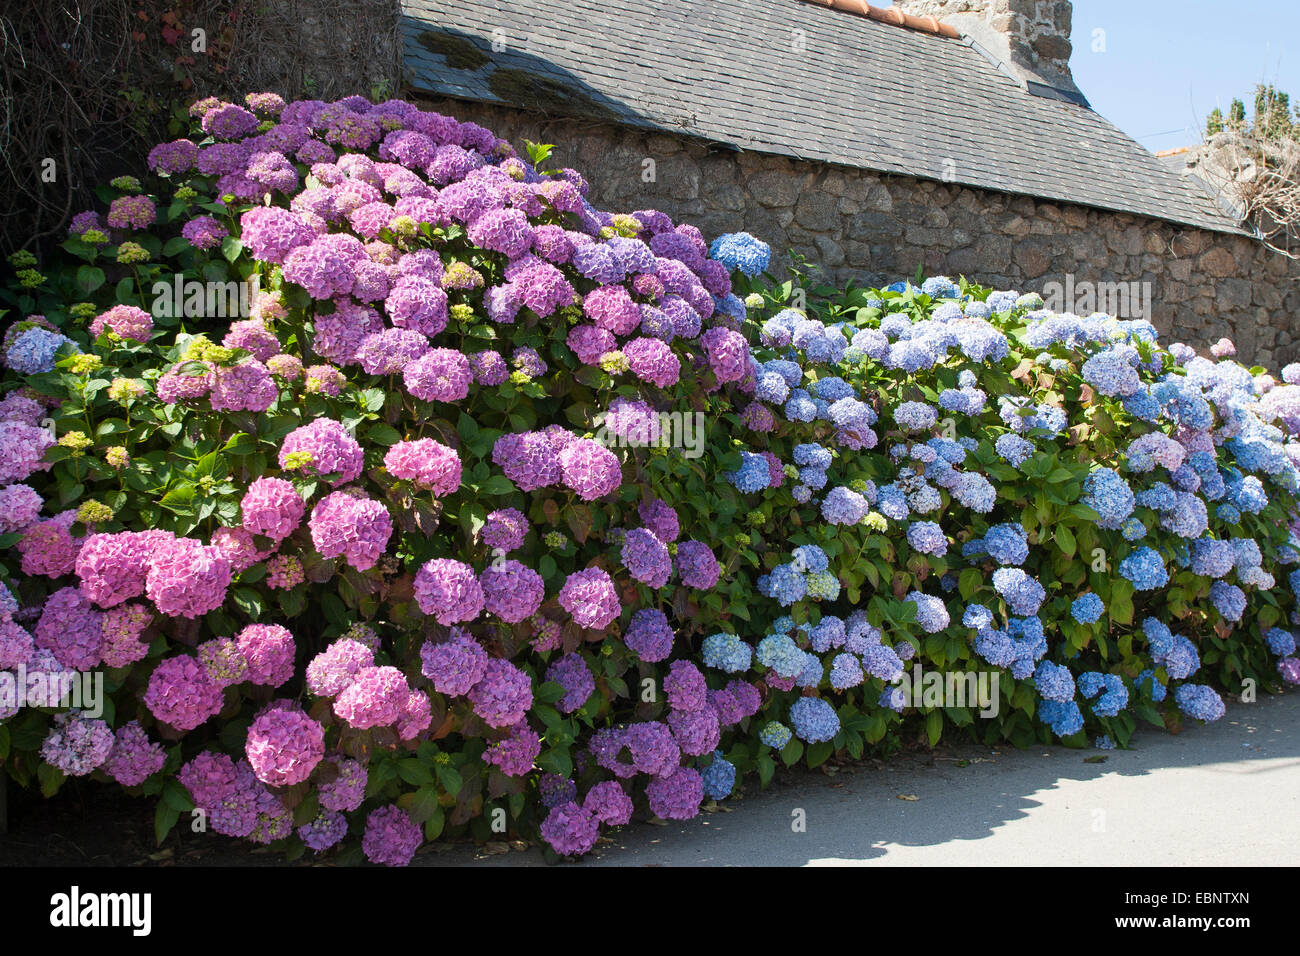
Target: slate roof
{"x":859,"y":93}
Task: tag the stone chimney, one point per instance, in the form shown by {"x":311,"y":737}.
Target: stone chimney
{"x":1030,"y":38}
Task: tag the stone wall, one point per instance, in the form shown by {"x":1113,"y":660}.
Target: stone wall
{"x":878,"y":228}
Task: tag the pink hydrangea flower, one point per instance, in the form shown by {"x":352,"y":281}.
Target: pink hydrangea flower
{"x":590,"y":469}
{"x":71,"y":628}
{"x":391,"y":837}
{"x":269,"y":650}
{"x":512,"y":591}
{"x":284,"y":746}
{"x":333,"y":669}
{"x":181,"y":694}
{"x":351,"y":526}
{"x":187,"y":578}
{"x":439,"y":375}
{"x":128,"y":321}
{"x":375,"y":698}
{"x":334,"y":453}
{"x":590,"y":597}
{"x":429,"y":464}
{"x":272,"y":507}
{"x":449,"y":591}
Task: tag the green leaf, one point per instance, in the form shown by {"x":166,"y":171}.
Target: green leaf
{"x":414,"y":771}
{"x":89,"y":278}
{"x":164,"y":819}
{"x":240,"y":444}
{"x":450,"y":778}
{"x":498,"y":485}
{"x":934,"y":726}
{"x":231,"y":248}
{"x":176,"y":796}
{"x":180,"y":500}
{"x":1065,"y":540}
{"x":385,"y":435}
{"x":818,"y":753}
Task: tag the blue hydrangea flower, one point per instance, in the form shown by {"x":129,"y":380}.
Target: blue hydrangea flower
{"x":1064,"y":718}
{"x":1280,"y":642}
{"x":1007,"y":543}
{"x":915,"y":416}
{"x":1200,"y":702}
{"x":827,"y":633}
{"x":940,"y":287}
{"x":977,"y":616}
{"x":846,"y":672}
{"x":1157,"y":688}
{"x":753,"y":474}
{"x":814,"y":720}
{"x":1145,"y":569}
{"x":726,"y":652}
{"x":1108,"y":494}
{"x":931,"y":613}
{"x":927,"y":538}
{"x":786,"y":585}
{"x":810,"y":557}
{"x":1228,"y":599}
{"x":1114,"y":695}
{"x":775,"y":735}
{"x":742,"y":252}
{"x":1054,"y":681}
{"x":36,"y":350}
{"x":781,"y":654}
{"x":1013,"y":449}
{"x":1087,"y":608}
{"x":1023,"y":594}
{"x":719,"y":777}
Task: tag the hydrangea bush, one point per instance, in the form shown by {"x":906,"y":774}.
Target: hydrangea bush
{"x":395,"y":491}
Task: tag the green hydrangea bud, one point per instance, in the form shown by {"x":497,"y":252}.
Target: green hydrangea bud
{"x":615,"y":363}
{"x":754,"y":301}
{"x":94,"y":237}
{"x":743,"y":540}
{"x":756,"y":519}
{"x":83,"y":310}
{"x":94,"y":512}
{"x":30,"y":278}
{"x":185,"y":194}
{"x":129,"y":252}
{"x":462,"y":312}
{"x":22,"y":259}
{"x":77,"y":441}
{"x":554,"y":540}
{"x":128,"y":184}
{"x":625,"y":225}
{"x":297,"y":460}
{"x":84,"y":364}
{"x":124,"y":389}
{"x":117,"y":457}
{"x":403,"y":226}
{"x":875,"y":521}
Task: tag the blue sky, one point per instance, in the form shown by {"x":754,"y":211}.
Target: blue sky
{"x":1167,"y":63}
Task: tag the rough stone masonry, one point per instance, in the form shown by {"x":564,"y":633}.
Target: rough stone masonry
{"x":878,"y":228}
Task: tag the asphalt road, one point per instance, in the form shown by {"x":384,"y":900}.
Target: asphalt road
{"x":1223,"y":794}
